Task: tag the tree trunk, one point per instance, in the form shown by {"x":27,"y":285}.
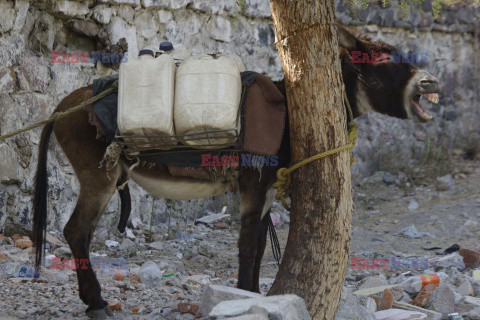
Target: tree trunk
{"x":316,"y":255}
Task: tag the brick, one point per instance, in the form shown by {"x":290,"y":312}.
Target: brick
{"x":115,"y":305}
{"x":471,"y":258}
{"x":386,"y":301}
{"x":24,"y":243}
{"x":424,"y":295}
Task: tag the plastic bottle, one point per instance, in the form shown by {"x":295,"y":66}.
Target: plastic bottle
{"x":14,"y":270}
{"x":416,"y":283}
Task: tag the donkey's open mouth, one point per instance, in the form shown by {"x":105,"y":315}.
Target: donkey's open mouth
{"x":417,"y":107}
{"x":422,"y":85}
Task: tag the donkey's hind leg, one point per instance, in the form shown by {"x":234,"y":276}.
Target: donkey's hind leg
{"x":252,"y":201}
{"x":96,"y":189}
{"x":261,"y":244}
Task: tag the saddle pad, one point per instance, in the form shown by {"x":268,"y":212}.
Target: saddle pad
{"x":264,"y":117}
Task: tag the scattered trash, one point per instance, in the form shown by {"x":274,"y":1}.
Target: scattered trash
{"x":212,"y":218}
{"x":450,"y":249}
{"x":276,"y":218}
{"x":416,"y":283}
{"x":455,"y":316}
{"x":168,"y":275}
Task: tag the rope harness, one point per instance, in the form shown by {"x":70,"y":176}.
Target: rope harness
{"x":284,"y":175}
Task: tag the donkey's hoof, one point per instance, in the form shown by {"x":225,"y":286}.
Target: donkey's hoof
{"x":100,"y":313}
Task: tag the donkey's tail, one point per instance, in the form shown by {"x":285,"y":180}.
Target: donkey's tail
{"x":40,"y":199}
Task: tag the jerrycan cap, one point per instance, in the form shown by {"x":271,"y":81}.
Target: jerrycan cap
{"x":144,"y":52}
{"x":166,"y":46}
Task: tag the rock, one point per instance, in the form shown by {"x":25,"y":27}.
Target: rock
{"x":150,"y":274}
{"x":451,"y":260}
{"x":53,"y":241}
{"x":102,"y":14}
{"x":9,"y":170}
{"x":412,"y":205}
{"x":130,"y":235}
{"x":388,"y":178}
{"x":12,"y":229}
{"x":221,"y":225}
{"x":128,"y":246}
{"x":373,"y":282}
{"x":63,"y":252}
{"x":33,"y":74}
{"x":350,"y":308}
{"x":254,"y":316}
{"x":157,"y":245}
{"x":197,"y":281}
{"x":115,"y":305}
{"x":71,"y":8}
{"x":189,"y":308}
{"x":7,"y":19}
{"x":215,"y":294}
{"x":399,"y":314}
{"x":471,"y":258}
{"x":442,"y":300}
{"x":87,"y":28}
{"x":220,"y":29}
{"x":111,"y":243}
{"x":7,"y":84}
{"x":443,"y":183}
{"x":283,"y":307}
{"x":21,"y":6}
{"x":465,"y":288}
{"x":2,"y":237}
{"x":474,"y":301}
{"x":424,"y":295}
{"x":411,"y":231}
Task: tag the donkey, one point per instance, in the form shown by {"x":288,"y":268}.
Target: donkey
{"x":386,"y":87}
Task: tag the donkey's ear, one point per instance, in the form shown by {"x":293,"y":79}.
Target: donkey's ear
{"x":346,"y":39}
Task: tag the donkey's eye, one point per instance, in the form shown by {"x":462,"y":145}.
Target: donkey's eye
{"x":384,"y":58}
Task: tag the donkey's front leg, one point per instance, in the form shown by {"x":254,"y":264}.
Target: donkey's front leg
{"x":78,"y":232}
{"x":252,"y":200}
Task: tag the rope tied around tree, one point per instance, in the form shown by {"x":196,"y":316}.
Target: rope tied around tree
{"x":59,"y":115}
{"x":284,"y":174}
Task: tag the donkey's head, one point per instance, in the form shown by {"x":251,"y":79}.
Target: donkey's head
{"x":375,"y":81}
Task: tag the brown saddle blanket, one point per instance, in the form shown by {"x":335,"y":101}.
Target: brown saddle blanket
{"x":264,"y":117}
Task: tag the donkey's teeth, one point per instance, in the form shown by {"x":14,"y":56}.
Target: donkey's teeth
{"x":432,"y":97}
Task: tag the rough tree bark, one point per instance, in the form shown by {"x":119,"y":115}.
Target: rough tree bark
{"x":315,"y":259}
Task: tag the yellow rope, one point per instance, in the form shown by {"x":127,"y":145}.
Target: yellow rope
{"x":284,"y":175}
{"x":59,"y":115}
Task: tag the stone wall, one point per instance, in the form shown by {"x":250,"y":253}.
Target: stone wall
{"x":31,"y":86}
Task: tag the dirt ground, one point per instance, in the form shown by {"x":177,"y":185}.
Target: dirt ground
{"x":385,"y":205}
